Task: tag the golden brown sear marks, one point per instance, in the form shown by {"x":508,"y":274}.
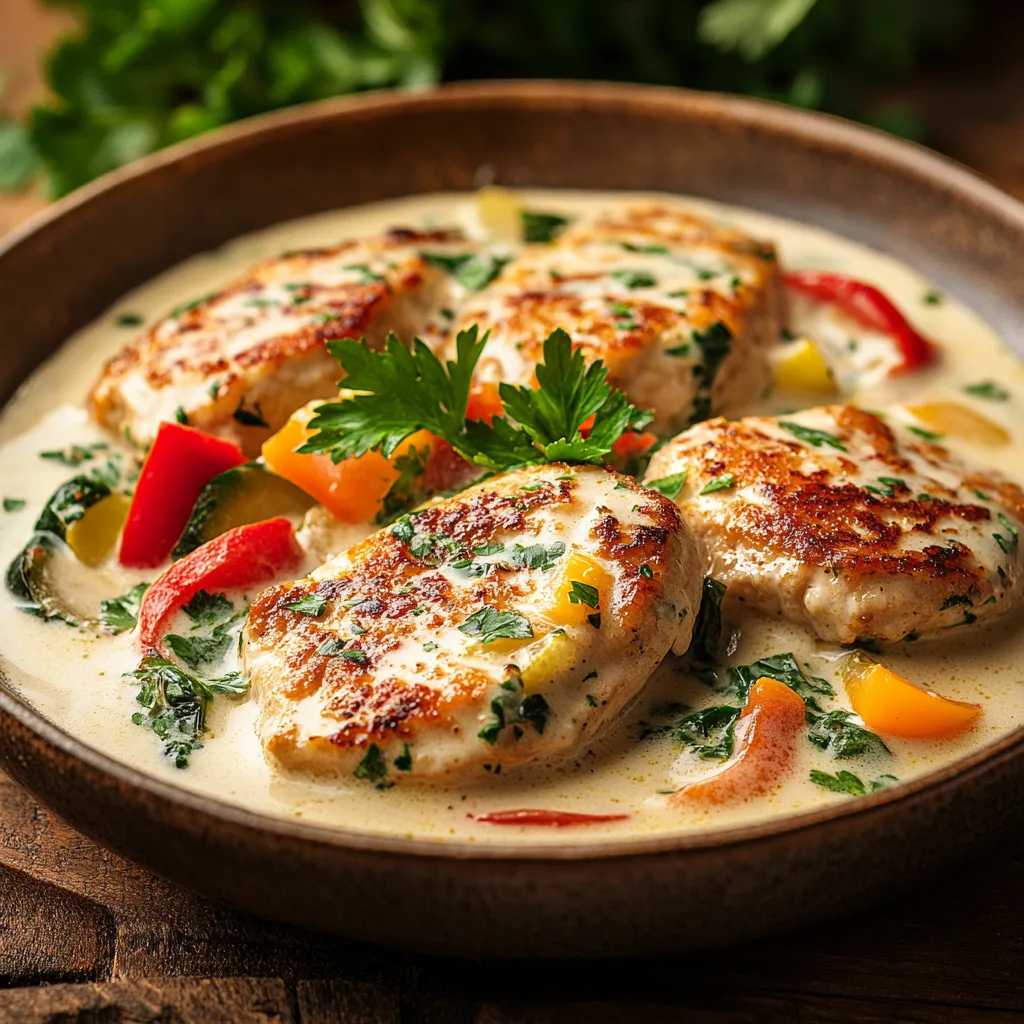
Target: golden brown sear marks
{"x":259,"y":343}
{"x":416,"y":635}
{"x":680,"y":309}
{"x":852,"y":526}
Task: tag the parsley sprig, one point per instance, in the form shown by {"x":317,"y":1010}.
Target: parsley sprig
{"x":402,"y":390}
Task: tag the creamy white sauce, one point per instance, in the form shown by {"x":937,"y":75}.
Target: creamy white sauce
{"x":76,"y":680}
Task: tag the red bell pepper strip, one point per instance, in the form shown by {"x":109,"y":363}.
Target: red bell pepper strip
{"x":552,"y":819}
{"x":869,"y":307}
{"x":242,"y":557}
{"x":179,"y":464}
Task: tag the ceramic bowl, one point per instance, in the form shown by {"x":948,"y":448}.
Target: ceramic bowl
{"x":577,"y":898}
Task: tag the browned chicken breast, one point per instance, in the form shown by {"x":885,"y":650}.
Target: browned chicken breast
{"x":841,"y":522}
{"x":237,"y":363}
{"x":680,"y":310}
{"x":506,"y":624}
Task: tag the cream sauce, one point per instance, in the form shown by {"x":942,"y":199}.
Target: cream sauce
{"x":75,"y":680}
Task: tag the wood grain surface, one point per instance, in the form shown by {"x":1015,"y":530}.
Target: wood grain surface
{"x":88,"y":937}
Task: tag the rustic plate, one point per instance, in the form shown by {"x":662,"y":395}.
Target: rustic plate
{"x":638,"y":895}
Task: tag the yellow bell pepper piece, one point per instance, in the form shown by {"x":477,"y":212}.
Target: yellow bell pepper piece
{"x":802,"y":367}
{"x":499,"y":213}
{"x":583,"y":589}
{"x":959,"y":421}
{"x":93,"y":537}
{"x":893,"y":706}
{"x":553,"y":658}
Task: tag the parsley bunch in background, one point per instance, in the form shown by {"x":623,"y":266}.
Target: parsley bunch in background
{"x":142,"y":74}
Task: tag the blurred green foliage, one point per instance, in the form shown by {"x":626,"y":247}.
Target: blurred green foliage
{"x":142,"y":74}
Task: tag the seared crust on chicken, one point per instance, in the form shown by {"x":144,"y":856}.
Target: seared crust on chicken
{"x":506,"y":624}
{"x":681,"y":310}
{"x":237,"y":363}
{"x":853,"y":527}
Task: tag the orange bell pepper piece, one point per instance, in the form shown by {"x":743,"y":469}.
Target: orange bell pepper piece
{"x":766,"y":733}
{"x":894,"y":706}
{"x":352,"y":490}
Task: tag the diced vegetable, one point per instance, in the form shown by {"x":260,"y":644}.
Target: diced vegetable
{"x":960,"y":421}
{"x":179,"y":464}
{"x":499,"y":213}
{"x":869,"y":307}
{"x":802,"y":367}
{"x":94,"y":536}
{"x":554,"y":657}
{"x":765,"y":745}
{"x":892,"y":705}
{"x":244,"y":494}
{"x":352,"y":490}
{"x":582,"y":589}
{"x":242,"y":557}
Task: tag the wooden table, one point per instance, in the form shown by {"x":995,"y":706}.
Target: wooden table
{"x":110,"y":943}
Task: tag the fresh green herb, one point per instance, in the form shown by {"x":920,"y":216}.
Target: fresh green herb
{"x":366,"y":275}
{"x":187,"y":307}
{"x":74,"y":455}
{"x":403,"y":762}
{"x":176,"y":704}
{"x":180,"y":416}
{"x":119,"y":614}
{"x":956,"y":600}
{"x":707,"y":630}
{"x":68,"y":504}
{"x":510,"y":708}
{"x":492,"y":547}
{"x":592,"y":674}
{"x":679,"y":350}
{"x":932,"y":298}
{"x":928,"y":435}
{"x":849,"y":784}
{"x":541,"y":227}
{"x":887,"y":486}
{"x":647,"y":250}
{"x":813,"y":437}
{"x":14,"y":504}
{"x":784,"y":669}
{"x":988,"y":390}
{"x":129,"y":320}
{"x":331,"y":648}
{"x":1011,"y":529}
{"x":429,"y":646}
{"x":406,"y":390}
{"x":634,"y":278}
{"x":718,"y":483}
{"x":646,"y":571}
{"x":595,"y":620}
{"x":708,"y":731}
{"x":591,"y":700}
{"x":249,"y":417}
{"x":206,"y":609}
{"x":354,"y":654}
{"x":473,"y":271}
{"x":489,"y":624}
{"x":536,"y":556}
{"x":214,"y":389}
{"x":583,"y":593}
{"x":715,"y":343}
{"x":309,"y":604}
{"x":670,"y":486}
{"x":197,"y":651}
{"x":374,"y":769}
{"x":834,"y":731}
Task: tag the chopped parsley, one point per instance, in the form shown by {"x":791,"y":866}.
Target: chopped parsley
{"x":647,"y":250}
{"x":510,"y":709}
{"x":14,"y":504}
{"x":591,"y":700}
{"x":634,"y":278}
{"x":887,"y":486}
{"x":403,"y":762}
{"x":928,"y":435}
{"x":129,"y":320}
{"x":331,"y":648}
{"x":541,"y":227}
{"x":73,"y":455}
{"x":670,"y":486}
{"x":366,"y":275}
{"x":583,"y":593}
{"x":718,"y":483}
{"x":489,"y":624}
{"x":932,"y":298}
{"x":956,"y":600}
{"x":354,"y":654}
{"x":813,"y":437}
{"x":492,"y":547}
{"x":536,"y":556}
{"x":187,"y":307}
{"x":988,"y":390}
{"x":707,"y":630}
{"x":180,"y":416}
{"x":374,"y":769}
{"x":473,"y":271}
{"x":119,"y":614}
{"x":646,"y":571}
{"x":849,"y":784}
{"x":198,"y":651}
{"x":715,"y":343}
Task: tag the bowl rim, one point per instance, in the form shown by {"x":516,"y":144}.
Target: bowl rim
{"x":926,"y":166}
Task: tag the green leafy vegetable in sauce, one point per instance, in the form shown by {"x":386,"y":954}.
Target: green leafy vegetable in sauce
{"x":707,"y":630}
{"x":849,"y":784}
{"x":473,"y":271}
{"x":709,"y":732}
{"x":988,"y":390}
{"x":374,"y":769}
{"x":489,"y":624}
{"x":119,"y":614}
{"x":541,"y":227}
{"x":14,"y":504}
